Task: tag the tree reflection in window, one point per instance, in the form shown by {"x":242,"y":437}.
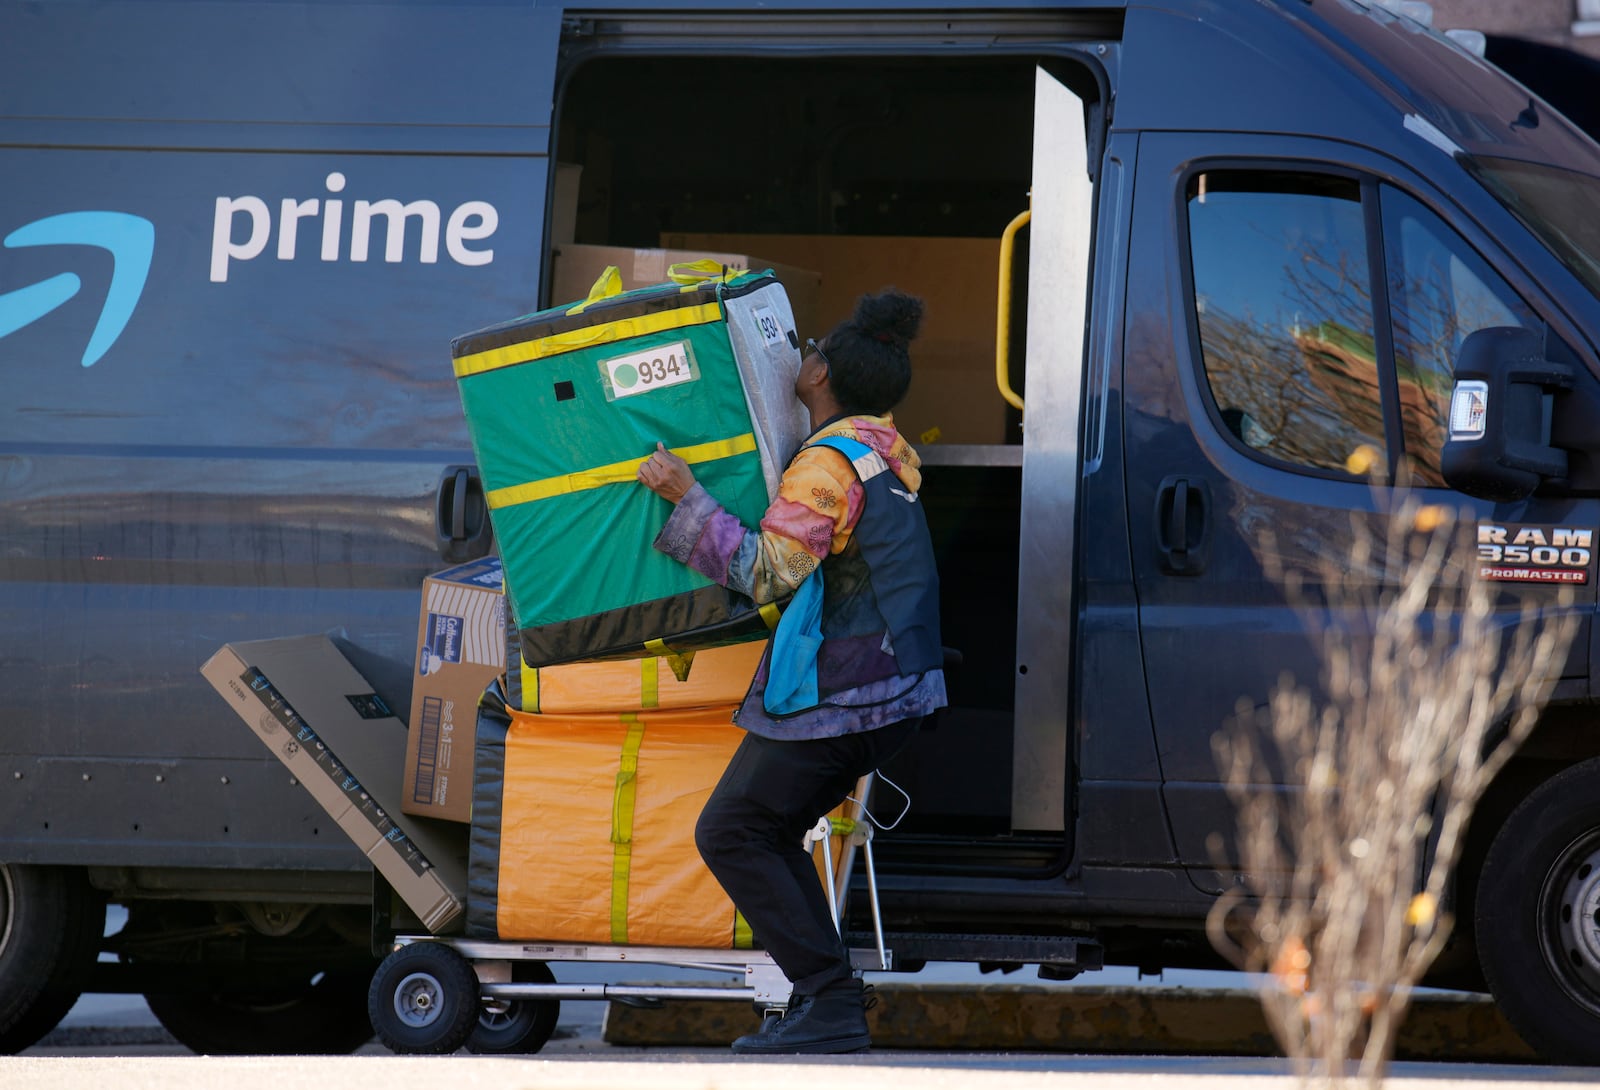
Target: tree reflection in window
{"x":1284,"y":300}
{"x":1439,"y":291}
{"x":1283,"y":296}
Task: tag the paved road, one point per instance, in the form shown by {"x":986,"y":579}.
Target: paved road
{"x":115,"y":1042}
{"x":99,"y":1023}
{"x":872,"y":1071}
{"x":103,"y":1024}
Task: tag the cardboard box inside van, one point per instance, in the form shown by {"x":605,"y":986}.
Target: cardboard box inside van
{"x":577,"y":266}
{"x":953,"y":397}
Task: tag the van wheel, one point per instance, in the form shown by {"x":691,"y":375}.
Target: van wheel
{"x":51,"y":923}
{"x":424,"y":999}
{"x":325,"y":1016}
{"x":517,"y":1025}
{"x":1538,"y":917}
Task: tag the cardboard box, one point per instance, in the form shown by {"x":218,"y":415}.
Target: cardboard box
{"x":953,"y":396}
{"x":461,"y":648}
{"x":576,"y":267}
{"x":343,"y":743}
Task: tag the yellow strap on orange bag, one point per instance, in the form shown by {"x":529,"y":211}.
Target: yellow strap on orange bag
{"x":622,"y":809}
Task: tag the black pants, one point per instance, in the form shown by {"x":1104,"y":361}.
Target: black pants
{"x":751,"y":831}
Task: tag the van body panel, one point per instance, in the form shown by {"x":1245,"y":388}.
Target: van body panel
{"x":238,"y":431}
{"x":1264,"y":516}
{"x":1342,"y":71}
{"x":1244,"y":68}
{"x":238,"y":238}
{"x":262,"y":68}
{"x":1118,"y":812}
{"x":1466,"y":97}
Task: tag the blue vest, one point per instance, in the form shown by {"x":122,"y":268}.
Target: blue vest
{"x":869,"y":613}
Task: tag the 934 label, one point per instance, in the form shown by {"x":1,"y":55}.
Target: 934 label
{"x":767,"y":323}
{"x":653,"y":369}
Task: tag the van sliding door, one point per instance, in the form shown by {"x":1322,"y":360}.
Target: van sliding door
{"x":1058,"y":276}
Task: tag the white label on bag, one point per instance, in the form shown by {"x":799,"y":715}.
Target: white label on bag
{"x":653,"y":369}
{"x":767,"y":322}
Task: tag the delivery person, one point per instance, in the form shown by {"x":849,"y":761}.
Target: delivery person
{"x":854,"y":666}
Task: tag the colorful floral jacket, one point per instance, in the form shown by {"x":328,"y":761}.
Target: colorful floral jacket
{"x":819,"y":503}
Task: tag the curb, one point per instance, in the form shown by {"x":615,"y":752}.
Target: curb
{"x":105,"y":1036}
{"x":1018,"y":1017}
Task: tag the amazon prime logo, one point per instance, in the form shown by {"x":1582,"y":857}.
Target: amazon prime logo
{"x":129,"y":239}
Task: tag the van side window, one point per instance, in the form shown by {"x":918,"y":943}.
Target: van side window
{"x":1284,"y":301}
{"x":1440,"y":290}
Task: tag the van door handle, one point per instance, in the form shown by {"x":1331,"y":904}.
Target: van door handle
{"x":461,"y":515}
{"x":1183,"y":515}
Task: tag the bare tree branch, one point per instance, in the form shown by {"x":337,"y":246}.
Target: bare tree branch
{"x":1345,"y":864}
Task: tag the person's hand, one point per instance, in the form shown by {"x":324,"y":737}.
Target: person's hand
{"x":667,"y":475}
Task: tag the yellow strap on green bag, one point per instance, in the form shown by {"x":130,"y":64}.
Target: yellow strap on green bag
{"x":593,"y":336}
{"x":606,"y":286}
{"x":695,"y":273}
{"x":624,"y":472}
{"x":608,"y":283}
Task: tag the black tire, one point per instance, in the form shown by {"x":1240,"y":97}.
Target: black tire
{"x":1538,"y":917}
{"x":424,"y":999}
{"x":517,"y":1025}
{"x":51,"y":923}
{"x":326,"y":1016}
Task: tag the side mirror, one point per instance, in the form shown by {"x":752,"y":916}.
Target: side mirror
{"x":1501,"y":410}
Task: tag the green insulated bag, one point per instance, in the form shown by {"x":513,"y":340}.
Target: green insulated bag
{"x":562,"y":407}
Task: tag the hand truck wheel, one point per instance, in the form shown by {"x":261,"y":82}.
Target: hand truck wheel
{"x":424,"y":999}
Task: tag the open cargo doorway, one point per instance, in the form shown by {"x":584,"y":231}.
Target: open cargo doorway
{"x":871,"y":171}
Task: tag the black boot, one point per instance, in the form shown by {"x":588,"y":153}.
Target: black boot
{"x":834,"y":1020}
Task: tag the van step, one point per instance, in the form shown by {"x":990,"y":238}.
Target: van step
{"x":912,"y":947}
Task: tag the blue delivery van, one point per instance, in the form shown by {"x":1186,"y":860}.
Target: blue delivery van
{"x":236,"y":240}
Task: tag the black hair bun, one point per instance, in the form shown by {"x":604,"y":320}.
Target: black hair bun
{"x":890,"y":316}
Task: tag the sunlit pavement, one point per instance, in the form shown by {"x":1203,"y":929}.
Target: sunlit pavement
{"x":721,"y":1072}
{"x":113,"y":1042}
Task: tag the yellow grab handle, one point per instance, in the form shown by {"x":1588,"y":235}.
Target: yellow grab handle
{"x":693,"y":272}
{"x":608,"y":284}
{"x":1002,"y":325}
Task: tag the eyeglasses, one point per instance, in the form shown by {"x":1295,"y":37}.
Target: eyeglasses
{"x":813,"y":346}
